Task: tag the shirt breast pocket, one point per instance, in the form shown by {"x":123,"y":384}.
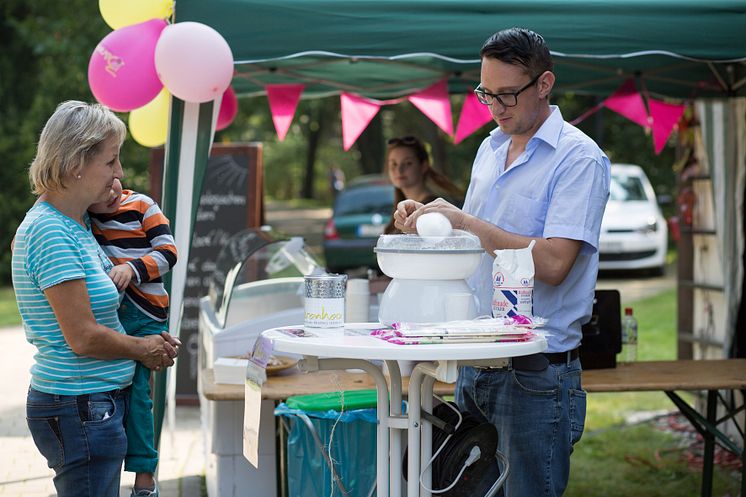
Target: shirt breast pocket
{"x":523,"y":215}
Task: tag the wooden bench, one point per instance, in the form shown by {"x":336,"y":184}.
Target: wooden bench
{"x":712,"y":376}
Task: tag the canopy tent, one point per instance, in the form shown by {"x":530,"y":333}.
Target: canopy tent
{"x":388,"y":48}
{"x":391,"y":48}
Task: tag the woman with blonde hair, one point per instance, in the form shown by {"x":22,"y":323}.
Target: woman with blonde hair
{"x":84,"y":363}
{"x":409,"y":170}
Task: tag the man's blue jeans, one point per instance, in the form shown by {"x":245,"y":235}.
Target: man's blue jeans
{"x":539,"y":415}
{"x":82,"y":437}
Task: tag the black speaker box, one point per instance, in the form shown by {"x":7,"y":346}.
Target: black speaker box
{"x":602,"y":335}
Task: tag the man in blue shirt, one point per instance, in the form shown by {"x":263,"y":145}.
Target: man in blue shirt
{"x":535,"y":177}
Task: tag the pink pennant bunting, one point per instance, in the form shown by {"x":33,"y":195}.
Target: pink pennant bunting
{"x":283,"y":100}
{"x":627,"y":101}
{"x":435,"y":104}
{"x":665,"y":117}
{"x":357,"y":112}
{"x":473,"y":116}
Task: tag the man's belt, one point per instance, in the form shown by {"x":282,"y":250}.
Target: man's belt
{"x":538,"y":362}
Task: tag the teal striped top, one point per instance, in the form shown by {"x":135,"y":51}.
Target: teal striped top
{"x":50,"y":248}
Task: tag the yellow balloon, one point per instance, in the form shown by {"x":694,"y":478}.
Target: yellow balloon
{"x":118,"y":13}
{"x":149,"y":124}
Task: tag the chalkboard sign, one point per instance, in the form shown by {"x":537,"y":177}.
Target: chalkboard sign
{"x":231,"y":200}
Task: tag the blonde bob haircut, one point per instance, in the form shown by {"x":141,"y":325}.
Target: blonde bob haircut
{"x":70,"y":138}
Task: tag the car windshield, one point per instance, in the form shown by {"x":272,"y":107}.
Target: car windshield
{"x":365,"y":200}
{"x":626,"y":189}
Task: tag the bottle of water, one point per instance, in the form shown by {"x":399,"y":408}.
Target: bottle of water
{"x":629,"y":337}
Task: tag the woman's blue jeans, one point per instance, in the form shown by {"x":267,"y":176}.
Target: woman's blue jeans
{"x":539,"y":415}
{"x":82,"y":437}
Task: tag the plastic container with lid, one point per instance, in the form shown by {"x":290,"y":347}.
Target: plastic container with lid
{"x":429,"y":258}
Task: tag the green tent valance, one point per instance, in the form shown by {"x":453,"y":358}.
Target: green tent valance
{"x":390,"y":48}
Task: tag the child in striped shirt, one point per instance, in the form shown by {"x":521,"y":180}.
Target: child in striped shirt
{"x":134,"y":234}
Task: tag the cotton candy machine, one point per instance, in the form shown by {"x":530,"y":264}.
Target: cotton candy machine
{"x":429,"y":277}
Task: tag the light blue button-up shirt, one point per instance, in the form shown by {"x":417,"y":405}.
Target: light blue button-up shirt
{"x":557,"y":188}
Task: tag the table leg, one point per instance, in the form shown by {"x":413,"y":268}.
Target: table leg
{"x":427,"y":434}
{"x":707,"y":426}
{"x":708,"y":462}
{"x":414,"y":416}
{"x":395,"y":434}
{"x":382,"y":431}
{"x":413,"y":432}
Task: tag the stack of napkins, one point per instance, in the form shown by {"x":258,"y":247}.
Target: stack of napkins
{"x":509,"y":329}
{"x":230,"y":370}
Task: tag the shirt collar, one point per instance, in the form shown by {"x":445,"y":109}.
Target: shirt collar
{"x":548,"y":132}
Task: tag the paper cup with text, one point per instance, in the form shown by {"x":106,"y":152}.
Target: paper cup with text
{"x":325,"y":301}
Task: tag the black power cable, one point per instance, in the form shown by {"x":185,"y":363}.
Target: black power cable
{"x":468,"y":455}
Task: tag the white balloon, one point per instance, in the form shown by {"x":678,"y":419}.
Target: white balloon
{"x":433,"y":224}
{"x":193,"y":61}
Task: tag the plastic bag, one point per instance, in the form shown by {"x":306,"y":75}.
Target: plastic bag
{"x":513,"y":282}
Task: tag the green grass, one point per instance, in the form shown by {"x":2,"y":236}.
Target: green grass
{"x":8,"y":309}
{"x":638,"y":461}
{"x":615,"y":459}
{"x":656,"y":324}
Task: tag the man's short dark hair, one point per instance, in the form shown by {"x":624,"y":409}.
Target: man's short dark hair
{"x":519,"y":46}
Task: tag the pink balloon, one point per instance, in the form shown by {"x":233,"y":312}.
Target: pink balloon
{"x":228,"y":109}
{"x":121,"y":72}
{"x":194,"y":61}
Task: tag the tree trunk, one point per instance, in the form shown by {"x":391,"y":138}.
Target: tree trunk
{"x":315,"y":128}
{"x":438,"y":154}
{"x":370,"y":144}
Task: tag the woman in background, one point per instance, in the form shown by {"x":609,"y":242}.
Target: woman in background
{"x":409,"y":170}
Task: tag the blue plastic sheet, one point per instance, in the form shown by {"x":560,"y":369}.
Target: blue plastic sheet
{"x":353,"y":450}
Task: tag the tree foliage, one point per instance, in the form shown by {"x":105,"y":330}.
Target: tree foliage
{"x":44,"y":59}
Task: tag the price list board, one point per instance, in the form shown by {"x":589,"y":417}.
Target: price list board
{"x":230,"y":201}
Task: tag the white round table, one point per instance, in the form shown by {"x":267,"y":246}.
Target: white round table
{"x":353,"y":347}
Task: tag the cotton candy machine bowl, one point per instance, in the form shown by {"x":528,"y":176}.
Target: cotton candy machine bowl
{"x":429,"y":277}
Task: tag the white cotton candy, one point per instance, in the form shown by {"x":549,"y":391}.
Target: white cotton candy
{"x":433,"y":224}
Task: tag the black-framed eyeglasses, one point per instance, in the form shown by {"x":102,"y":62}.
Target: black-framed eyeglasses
{"x":507,"y":99}
{"x":408,"y":140}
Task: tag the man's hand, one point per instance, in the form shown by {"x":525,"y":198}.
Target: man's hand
{"x":121,"y":275}
{"x":407,"y":212}
{"x":403,"y":212}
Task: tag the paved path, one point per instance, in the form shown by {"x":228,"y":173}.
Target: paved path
{"x":24,"y":472}
{"x":632,"y":289}
{"x":308,"y":223}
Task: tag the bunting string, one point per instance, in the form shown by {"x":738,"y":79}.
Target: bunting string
{"x":357,"y":111}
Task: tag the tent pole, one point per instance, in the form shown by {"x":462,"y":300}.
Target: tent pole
{"x":191,"y":130}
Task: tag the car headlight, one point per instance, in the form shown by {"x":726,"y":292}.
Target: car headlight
{"x":650,"y":227}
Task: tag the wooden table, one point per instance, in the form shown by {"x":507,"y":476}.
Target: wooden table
{"x":713,"y":376}
{"x":293,"y":382}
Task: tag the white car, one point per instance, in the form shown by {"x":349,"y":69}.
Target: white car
{"x":634,"y":233}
